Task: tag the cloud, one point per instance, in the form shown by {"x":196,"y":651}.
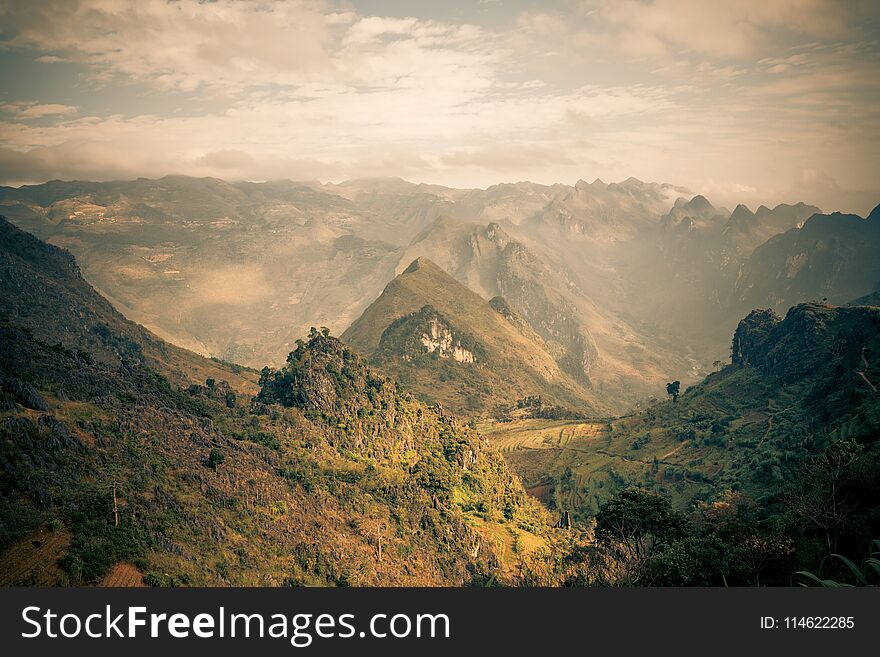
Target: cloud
{"x":737,"y":96}
{"x":508,"y":157}
{"x":176,"y":45}
{"x":730,"y":29}
{"x":29,"y":111}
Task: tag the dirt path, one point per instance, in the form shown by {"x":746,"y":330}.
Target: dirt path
{"x":675,"y":451}
{"x":651,"y":462}
{"x":630,"y":459}
{"x":862,"y":374}
{"x":865,"y":379}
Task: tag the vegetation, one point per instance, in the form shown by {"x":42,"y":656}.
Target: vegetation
{"x":124,"y":450}
{"x":784,"y":439}
{"x":198,"y":482}
{"x":510,"y":361}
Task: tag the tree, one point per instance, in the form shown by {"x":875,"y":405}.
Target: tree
{"x":673,"y":389}
{"x":634,"y":526}
{"x":215,"y":458}
{"x":823,"y":499}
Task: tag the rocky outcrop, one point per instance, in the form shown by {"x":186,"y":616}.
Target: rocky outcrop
{"x":440,"y":339}
{"x":428,"y":332}
{"x":25,"y":394}
{"x":813,"y":338}
{"x":749,"y":340}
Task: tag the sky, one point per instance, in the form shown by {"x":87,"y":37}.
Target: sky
{"x":747,"y":101}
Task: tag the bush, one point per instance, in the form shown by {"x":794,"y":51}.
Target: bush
{"x":215,"y":458}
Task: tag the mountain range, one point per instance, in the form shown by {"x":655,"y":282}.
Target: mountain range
{"x":491,"y":369}
{"x":628,"y":285}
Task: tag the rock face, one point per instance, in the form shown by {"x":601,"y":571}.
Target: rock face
{"x":426,"y":331}
{"x":442,"y":341}
{"x":527,"y":284}
{"x":835,"y":256}
{"x":751,"y":334}
{"x":812,"y":338}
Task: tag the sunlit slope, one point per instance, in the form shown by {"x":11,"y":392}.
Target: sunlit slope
{"x":510,"y":360}
{"x":795,"y":386}
{"x":112,"y":470}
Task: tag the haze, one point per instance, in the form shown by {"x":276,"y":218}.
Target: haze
{"x":755,"y":102}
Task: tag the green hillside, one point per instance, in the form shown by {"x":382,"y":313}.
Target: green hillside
{"x":330,"y":476}
{"x":501,"y":359}
{"x":789,"y":429}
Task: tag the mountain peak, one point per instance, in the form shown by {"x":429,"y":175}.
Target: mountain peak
{"x":413,"y":266}
{"x":449,"y":345}
{"x":741,"y":212}
{"x":422,"y":263}
{"x":700,"y":203}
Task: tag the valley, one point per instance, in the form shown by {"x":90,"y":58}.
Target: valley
{"x":628,"y":284}
{"x":497,"y":388}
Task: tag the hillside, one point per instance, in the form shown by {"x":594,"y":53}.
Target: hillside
{"x":112,"y":471}
{"x":43,"y":291}
{"x":236,"y":271}
{"x":500,"y":358}
{"x":623,"y":361}
{"x":795,"y":387}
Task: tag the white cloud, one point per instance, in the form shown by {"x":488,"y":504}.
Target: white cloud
{"x":28,"y":111}
{"x":178,"y":45}
{"x":734,"y":28}
{"x":738,"y":96}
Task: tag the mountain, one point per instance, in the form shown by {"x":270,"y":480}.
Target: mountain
{"x":747,"y":230}
{"x":629,"y":284}
{"x":794,"y":386}
{"x":116,"y":467}
{"x":695,"y":214}
{"x":44,"y":293}
{"x":870,"y":299}
{"x":691,"y":268}
{"x":604,"y":214}
{"x":774,"y":457}
{"x":834,"y":256}
{"x":236,"y":271}
{"x":450,"y":345}
{"x":621,"y":360}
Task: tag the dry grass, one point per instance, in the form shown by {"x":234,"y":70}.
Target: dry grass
{"x":33,"y":559}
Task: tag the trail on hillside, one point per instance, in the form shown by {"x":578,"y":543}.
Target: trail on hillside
{"x":862,"y":374}
{"x":675,"y":451}
{"x":769,"y":429}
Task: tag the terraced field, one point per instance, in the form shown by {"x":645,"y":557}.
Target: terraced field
{"x":540,"y":450}
{"x":576,"y":465}
{"x":123,"y":574}
{"x":542,"y":434}
{"x":33,"y":559}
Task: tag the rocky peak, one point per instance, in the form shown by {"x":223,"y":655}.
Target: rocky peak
{"x":741,"y":213}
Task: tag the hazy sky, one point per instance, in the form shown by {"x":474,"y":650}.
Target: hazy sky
{"x":754,"y":101}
